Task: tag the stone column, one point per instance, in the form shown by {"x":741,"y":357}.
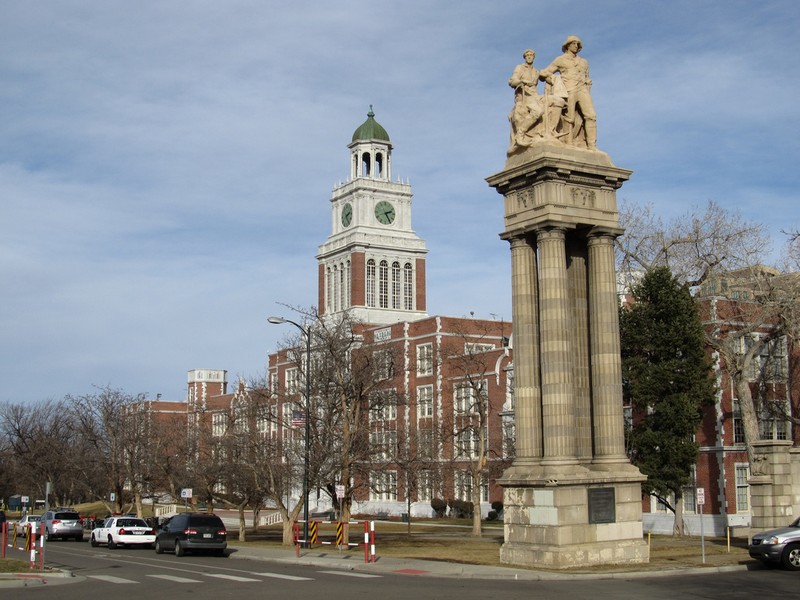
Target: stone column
{"x":606,"y":361}
{"x":579,"y":308}
{"x":527,"y":399}
{"x":558,"y":415}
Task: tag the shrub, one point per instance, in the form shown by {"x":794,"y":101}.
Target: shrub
{"x":492,"y":516}
{"x":439,"y":507}
{"x":497,"y":506}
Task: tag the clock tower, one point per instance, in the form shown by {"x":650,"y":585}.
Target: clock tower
{"x":373,"y":264}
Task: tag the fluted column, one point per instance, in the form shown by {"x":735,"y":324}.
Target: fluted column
{"x":609,"y":433}
{"x":558,"y":415}
{"x":579,"y":306}
{"x":527,"y":398}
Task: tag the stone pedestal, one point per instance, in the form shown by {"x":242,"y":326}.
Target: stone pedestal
{"x":772,"y":491}
{"x":571,"y":497}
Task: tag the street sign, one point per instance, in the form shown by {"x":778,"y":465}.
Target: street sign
{"x":340,"y":491}
{"x":701,"y":496}
{"x":186,"y":493}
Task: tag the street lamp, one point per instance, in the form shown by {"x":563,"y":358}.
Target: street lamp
{"x":307,"y":334}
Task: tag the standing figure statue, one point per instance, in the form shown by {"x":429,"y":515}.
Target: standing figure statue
{"x":580,"y":117}
{"x":528,"y":104}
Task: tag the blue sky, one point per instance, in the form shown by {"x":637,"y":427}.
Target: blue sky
{"x":166,"y":167}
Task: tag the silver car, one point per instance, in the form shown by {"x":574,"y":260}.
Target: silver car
{"x":781,"y":546}
{"x":62,"y":523}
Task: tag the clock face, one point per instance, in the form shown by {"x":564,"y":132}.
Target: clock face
{"x":347,"y":215}
{"x":384,"y":212}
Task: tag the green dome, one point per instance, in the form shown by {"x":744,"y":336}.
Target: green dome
{"x":370,"y":129}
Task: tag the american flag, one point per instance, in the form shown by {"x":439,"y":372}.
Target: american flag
{"x":298,"y":418}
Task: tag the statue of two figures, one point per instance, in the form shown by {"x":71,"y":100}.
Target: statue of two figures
{"x":564,"y":113}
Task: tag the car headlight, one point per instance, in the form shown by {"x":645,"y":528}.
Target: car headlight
{"x":772,"y":540}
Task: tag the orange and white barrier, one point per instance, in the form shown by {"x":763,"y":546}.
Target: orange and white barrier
{"x":339,"y":541}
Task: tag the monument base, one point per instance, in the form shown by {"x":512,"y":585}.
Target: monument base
{"x":561,"y":517}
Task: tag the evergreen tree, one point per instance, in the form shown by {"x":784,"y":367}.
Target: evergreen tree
{"x":667,"y":380}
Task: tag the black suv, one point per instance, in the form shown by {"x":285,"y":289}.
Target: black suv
{"x":192,"y":531}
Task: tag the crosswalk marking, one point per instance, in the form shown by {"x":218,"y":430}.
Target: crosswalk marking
{"x":111,"y":579}
{"x":231,"y":577}
{"x":350,"y":574}
{"x":281,"y":576}
{"x":176,"y":579}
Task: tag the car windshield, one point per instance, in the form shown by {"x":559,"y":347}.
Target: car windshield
{"x":36,"y":518}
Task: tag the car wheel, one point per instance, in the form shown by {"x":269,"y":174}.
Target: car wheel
{"x":94,"y":542}
{"x":790,"y":559}
{"x":158,"y":548}
{"x":79,"y":538}
{"x":48,"y":537}
{"x":179,"y":551}
{"x":111,"y":543}
{"x":219,"y":552}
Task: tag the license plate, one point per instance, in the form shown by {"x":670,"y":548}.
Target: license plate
{"x":206,"y":535}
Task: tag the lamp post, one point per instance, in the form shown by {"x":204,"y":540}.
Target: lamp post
{"x":307,"y":334}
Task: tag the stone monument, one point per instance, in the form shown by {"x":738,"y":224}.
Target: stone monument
{"x":571,"y":496}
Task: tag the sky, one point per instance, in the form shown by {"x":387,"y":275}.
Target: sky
{"x":166,"y":166}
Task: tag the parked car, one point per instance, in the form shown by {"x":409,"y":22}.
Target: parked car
{"x":26,"y":523}
{"x":123,"y":531}
{"x":62,"y":523}
{"x":192,"y":531}
{"x":780,"y":546}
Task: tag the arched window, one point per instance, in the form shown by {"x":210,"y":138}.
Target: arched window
{"x":395,"y":284}
{"x":408,"y":287}
{"x":366,"y":164}
{"x":335,"y":288}
{"x":342,"y":287}
{"x":383,"y":284}
{"x":378,"y":164}
{"x":371,"y":282}
{"x":329,"y":295}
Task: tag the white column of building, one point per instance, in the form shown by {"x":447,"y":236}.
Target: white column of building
{"x":579,"y":305}
{"x":609,"y":434}
{"x":558,"y":414}
{"x":527,"y":398}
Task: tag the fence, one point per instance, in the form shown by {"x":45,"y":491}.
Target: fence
{"x":11,"y":539}
{"x":338,"y":539}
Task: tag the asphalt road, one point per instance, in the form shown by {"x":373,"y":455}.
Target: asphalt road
{"x":141,"y":573}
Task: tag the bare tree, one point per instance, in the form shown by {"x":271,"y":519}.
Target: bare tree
{"x":750,"y":309}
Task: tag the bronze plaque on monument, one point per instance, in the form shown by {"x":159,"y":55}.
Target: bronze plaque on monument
{"x":601,"y":505}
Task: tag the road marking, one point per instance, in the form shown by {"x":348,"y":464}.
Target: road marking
{"x":111,"y":579}
{"x":231,"y":577}
{"x":176,"y":579}
{"x":350,"y":574}
{"x":281,"y":576}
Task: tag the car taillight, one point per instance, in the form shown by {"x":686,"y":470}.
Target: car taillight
{"x":190,"y":531}
{"x":56,"y":521}
{"x":122,"y":532}
{"x":222,"y":532}
{"x":153,"y":532}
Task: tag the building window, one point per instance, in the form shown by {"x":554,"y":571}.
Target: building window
{"x":329,"y":299}
{"x":463,"y":487}
{"x":742,"y":487}
{"x":383,"y":406}
{"x":383,"y":445}
{"x":240,"y":416}
{"x":424,"y":486}
{"x":383,"y":486}
{"x":396,"y":285}
{"x":408,"y":287}
{"x":384,"y":364}
{"x":467,"y":398}
{"x":424,"y":401}
{"x":468,"y":443}
{"x":383,"y":284}
{"x":424,"y":359}
{"x":292,"y":380}
{"x":371,"y":282}
{"x":689,"y":494}
{"x":219,"y":424}
{"x":426,"y":443}
{"x":738,"y":425}
{"x":471,"y":348}
{"x":509,"y":437}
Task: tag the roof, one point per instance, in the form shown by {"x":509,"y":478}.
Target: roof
{"x":370,"y":129}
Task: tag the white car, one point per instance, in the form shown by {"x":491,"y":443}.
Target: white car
{"x":27,"y":522}
{"x":123,"y":531}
